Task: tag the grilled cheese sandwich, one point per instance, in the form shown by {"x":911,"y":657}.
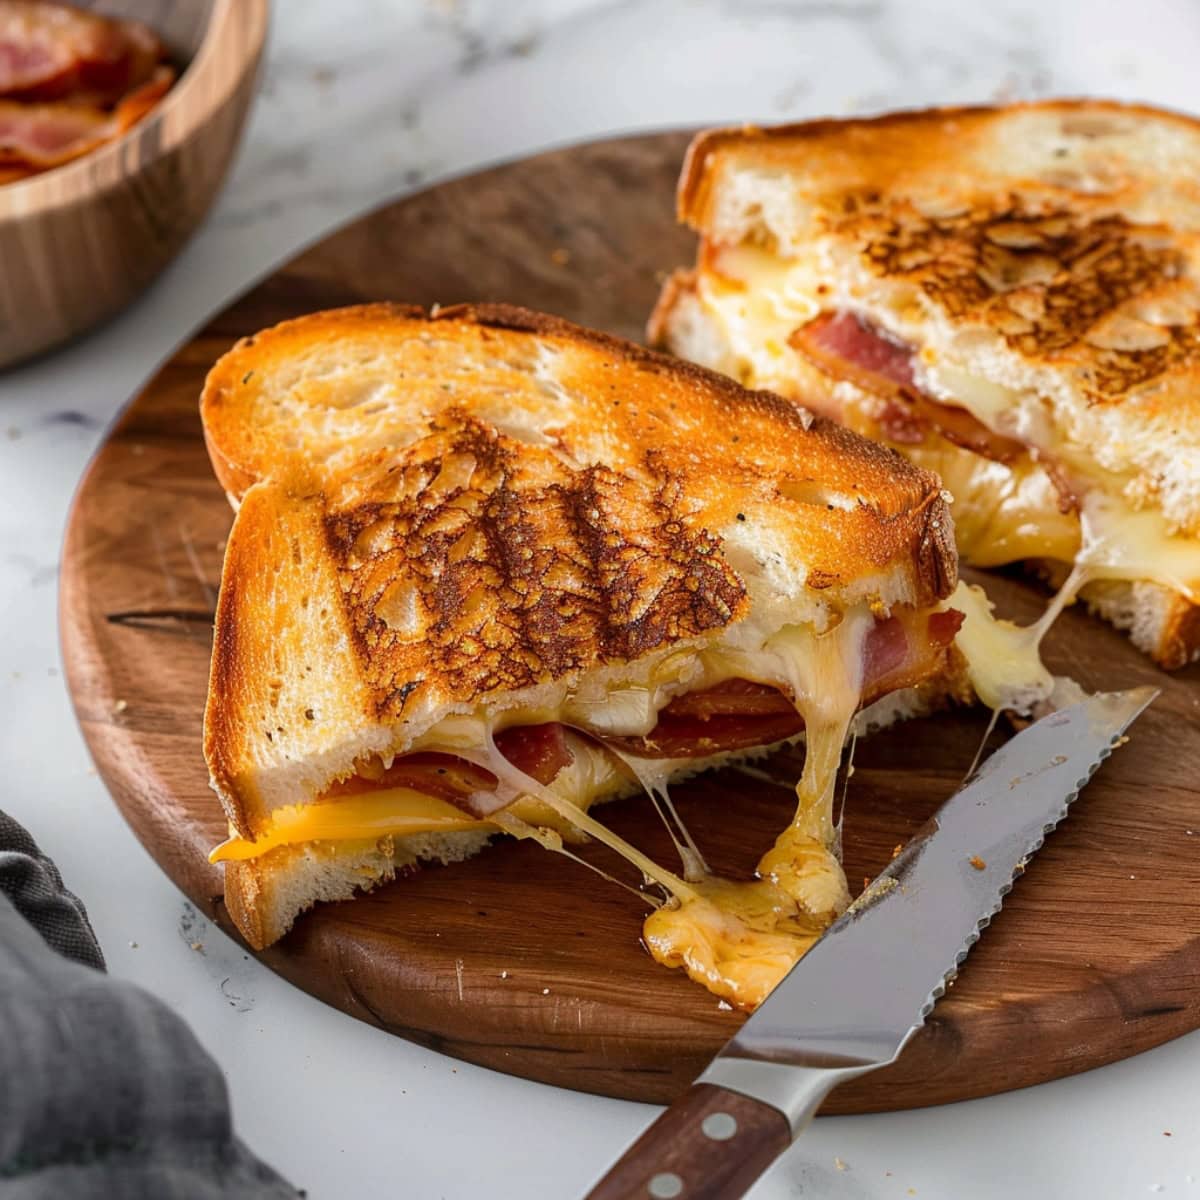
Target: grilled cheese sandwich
{"x":1012,"y":307}
{"x":489,"y":570}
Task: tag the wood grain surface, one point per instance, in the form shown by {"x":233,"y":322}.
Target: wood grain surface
{"x":711,"y":1144}
{"x":80,"y":242}
{"x":517,"y":959}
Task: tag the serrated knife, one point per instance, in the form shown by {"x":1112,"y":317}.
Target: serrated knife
{"x":854,"y":1000}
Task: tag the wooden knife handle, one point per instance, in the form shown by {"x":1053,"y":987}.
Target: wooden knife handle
{"x":711,"y":1144}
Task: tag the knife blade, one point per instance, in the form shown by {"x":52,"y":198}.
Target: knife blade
{"x":857,"y":997}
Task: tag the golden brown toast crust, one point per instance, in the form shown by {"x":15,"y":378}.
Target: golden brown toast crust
{"x":253,"y":886}
{"x":691,"y":196}
{"x":857,"y":506}
{"x":1179,"y":643}
{"x":531,"y":570}
{"x":244,"y":886}
{"x":1051,"y":260}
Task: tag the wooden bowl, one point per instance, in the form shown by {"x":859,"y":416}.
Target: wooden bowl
{"x":80,"y":242}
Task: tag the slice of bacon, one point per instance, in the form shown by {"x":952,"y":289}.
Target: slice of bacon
{"x":540,"y":751}
{"x":138,"y":101}
{"x":36,"y":137}
{"x":857,"y":351}
{"x":40,"y":136}
{"x":686,"y":735}
{"x":51,"y":51}
{"x":847,"y":346}
{"x":734,"y":698}
{"x":441,"y":775}
{"x":899,"y":651}
{"x":902,"y":652}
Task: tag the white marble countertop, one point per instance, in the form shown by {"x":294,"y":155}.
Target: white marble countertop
{"x":363,"y":100}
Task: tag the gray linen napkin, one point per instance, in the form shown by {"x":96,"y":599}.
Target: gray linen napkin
{"x":105,"y":1094}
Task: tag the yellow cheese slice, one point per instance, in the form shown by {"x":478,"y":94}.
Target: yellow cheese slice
{"x":396,"y":811}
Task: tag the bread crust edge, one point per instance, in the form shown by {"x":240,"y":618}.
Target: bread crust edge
{"x":691,"y":192}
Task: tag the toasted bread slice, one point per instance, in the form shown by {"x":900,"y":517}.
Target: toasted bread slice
{"x":265,"y":894}
{"x":485,"y":509}
{"x":572,"y":505}
{"x":1039,"y":262}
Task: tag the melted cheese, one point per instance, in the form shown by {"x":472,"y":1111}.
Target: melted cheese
{"x":1120,"y":542}
{"x":1003,"y":659}
{"x":740,"y":939}
{"x":654,"y":774}
{"x":403,"y":812}
{"x":1001,"y":513}
{"x":398,"y":812}
{"x":736,"y":938}
{"x":759,"y":300}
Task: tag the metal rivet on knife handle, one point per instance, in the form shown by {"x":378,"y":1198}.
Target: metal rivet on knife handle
{"x":710,"y":1143}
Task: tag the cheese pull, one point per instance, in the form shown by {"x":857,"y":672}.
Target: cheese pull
{"x":736,"y":938}
{"x":739,"y":939}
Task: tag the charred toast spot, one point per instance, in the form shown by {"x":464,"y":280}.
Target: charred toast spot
{"x":483,"y":565}
{"x":1055,"y":283}
{"x":1119,"y":369}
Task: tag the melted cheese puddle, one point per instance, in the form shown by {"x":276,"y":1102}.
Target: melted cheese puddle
{"x":737,"y":939}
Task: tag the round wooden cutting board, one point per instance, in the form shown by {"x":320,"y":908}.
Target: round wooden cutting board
{"x":519,"y":959}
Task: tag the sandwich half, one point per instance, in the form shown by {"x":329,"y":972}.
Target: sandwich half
{"x":1008,"y":296}
{"x":489,"y":569}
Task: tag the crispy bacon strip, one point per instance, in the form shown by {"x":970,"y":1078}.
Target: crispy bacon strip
{"x":40,"y":136}
{"x":51,"y":51}
{"x":36,"y":137}
{"x":440,"y":775}
{"x":540,"y":751}
{"x":846,"y":346}
{"x":899,"y":652}
{"x":735,"y":715}
{"x":70,"y":80}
